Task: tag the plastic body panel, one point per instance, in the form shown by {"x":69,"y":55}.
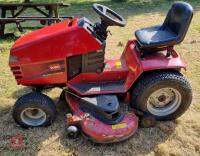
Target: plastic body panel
{"x":137,"y":65}
{"x":50,"y":44}
{"x":132,"y":66}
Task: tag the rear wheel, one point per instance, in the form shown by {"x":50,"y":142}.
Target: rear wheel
{"x":34,"y":110}
{"x":164,"y":94}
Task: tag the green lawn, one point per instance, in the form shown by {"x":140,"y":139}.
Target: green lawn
{"x":180,"y":137}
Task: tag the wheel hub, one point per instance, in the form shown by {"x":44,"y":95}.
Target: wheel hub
{"x":33,"y":116}
{"x":163,"y":101}
{"x":162,"y":98}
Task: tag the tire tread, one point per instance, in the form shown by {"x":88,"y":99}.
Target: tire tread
{"x":147,"y":80}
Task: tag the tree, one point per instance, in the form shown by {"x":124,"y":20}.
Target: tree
{"x":119,"y":0}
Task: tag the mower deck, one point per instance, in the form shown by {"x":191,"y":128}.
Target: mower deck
{"x":96,"y":130}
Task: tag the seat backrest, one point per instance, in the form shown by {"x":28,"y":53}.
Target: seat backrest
{"x":178,"y":19}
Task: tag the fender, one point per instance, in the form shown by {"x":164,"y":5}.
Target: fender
{"x":138,"y":65}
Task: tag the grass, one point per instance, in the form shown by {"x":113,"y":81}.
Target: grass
{"x":180,"y":137}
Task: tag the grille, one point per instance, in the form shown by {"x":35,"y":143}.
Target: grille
{"x":16,"y":72}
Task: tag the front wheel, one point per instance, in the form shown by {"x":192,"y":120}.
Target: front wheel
{"x":164,"y":94}
{"x":34,"y":110}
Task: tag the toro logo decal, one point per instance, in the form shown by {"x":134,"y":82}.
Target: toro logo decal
{"x":55,"y":67}
{"x":49,"y":69}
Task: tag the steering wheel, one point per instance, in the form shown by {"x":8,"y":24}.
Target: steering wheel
{"x":108,"y":16}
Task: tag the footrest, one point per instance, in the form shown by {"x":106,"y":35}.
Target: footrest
{"x":98,"y":88}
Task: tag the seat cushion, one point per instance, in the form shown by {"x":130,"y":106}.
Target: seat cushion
{"x":154,"y":37}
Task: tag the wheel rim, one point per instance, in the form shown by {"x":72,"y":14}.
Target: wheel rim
{"x":33,"y":116}
{"x":164,"y":101}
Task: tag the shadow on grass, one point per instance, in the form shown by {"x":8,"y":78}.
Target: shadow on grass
{"x":5,"y":106}
{"x":18,"y":93}
{"x":10,"y":37}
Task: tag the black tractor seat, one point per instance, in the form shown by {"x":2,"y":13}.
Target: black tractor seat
{"x":172,"y":31}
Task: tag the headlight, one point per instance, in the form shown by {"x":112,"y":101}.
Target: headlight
{"x":13,"y":58}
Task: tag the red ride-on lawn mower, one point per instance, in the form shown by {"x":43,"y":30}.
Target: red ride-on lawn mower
{"x":105,"y":97}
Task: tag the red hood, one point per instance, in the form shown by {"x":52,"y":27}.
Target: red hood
{"x":40,"y":34}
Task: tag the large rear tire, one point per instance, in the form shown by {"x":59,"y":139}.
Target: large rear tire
{"x":166,"y":95}
{"x":34,"y":110}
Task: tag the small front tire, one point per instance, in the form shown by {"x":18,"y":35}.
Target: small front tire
{"x":34,"y":110}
